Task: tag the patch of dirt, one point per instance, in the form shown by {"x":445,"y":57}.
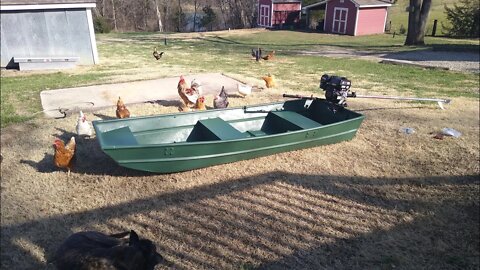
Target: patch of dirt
{"x":384,"y":199}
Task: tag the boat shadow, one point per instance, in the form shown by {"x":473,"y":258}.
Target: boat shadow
{"x":89,"y":159}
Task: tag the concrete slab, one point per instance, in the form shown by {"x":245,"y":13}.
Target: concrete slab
{"x":106,"y":95}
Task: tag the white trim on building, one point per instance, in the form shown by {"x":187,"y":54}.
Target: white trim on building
{"x":339,"y":20}
{"x":356,"y":21}
{"x":92,"y":36}
{"x":47,"y":6}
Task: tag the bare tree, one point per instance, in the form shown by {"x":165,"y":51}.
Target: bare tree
{"x":417,"y":21}
{"x":114,"y":16}
{"x":159,"y":17}
{"x":195,"y":6}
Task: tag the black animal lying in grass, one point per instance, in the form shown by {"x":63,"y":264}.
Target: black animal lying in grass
{"x":95,"y":250}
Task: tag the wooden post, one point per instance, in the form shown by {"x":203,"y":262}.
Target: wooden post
{"x":434,"y":27}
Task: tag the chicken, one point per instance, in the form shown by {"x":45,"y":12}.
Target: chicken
{"x":257,"y":54}
{"x":156,"y":54}
{"x":221,"y":100}
{"x":83,"y":127}
{"x":185,"y":93}
{"x":196,"y":86}
{"x":269,"y":81}
{"x":200,"y":104}
{"x":269,"y":56}
{"x":122,"y":111}
{"x":244,"y":90}
{"x":64,"y":154}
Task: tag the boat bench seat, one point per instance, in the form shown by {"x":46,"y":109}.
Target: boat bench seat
{"x":215,"y":129}
{"x":222,"y":129}
{"x":283,"y":121}
{"x":119,"y":136}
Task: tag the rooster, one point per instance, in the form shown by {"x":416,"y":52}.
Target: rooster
{"x":83,"y":127}
{"x":269,"y":56}
{"x":188,"y":95}
{"x":221,"y":100}
{"x":269,"y":81}
{"x":122,"y":111}
{"x":200,"y":104}
{"x":257,"y":54}
{"x":64,"y":154}
{"x":156,"y":54}
{"x":244,"y":90}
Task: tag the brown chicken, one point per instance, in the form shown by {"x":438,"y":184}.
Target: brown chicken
{"x":269,"y":81}
{"x":221,"y":100}
{"x":269,"y":56}
{"x":64,"y":154}
{"x":183,"y":90}
{"x":200,"y":104}
{"x":122,"y":111}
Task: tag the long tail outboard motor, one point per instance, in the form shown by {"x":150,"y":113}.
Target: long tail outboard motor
{"x":336,"y":89}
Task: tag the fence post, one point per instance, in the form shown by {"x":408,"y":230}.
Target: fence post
{"x":434,"y":27}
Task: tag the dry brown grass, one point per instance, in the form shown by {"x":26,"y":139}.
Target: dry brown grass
{"x":381,"y":201}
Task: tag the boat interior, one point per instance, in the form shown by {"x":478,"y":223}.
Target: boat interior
{"x":217,"y":125}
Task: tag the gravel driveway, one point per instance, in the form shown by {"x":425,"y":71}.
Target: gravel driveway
{"x":452,"y":60}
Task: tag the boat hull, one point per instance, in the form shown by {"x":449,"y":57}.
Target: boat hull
{"x":198,"y":153}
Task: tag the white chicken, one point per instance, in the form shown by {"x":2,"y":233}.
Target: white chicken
{"x":83,"y":127}
{"x":244,"y":90}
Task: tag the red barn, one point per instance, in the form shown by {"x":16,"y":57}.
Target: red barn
{"x":352,"y":17}
{"x":278,"y":13}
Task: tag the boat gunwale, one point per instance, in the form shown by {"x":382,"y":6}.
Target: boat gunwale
{"x":118,"y":147}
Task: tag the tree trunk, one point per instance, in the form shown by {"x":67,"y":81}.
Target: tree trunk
{"x":180,"y":11}
{"x":195,"y":4}
{"x":417,"y":21}
{"x":114,"y":16}
{"x":159,"y":17}
{"x":223,"y":9}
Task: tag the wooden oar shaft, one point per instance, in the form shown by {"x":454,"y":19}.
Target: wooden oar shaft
{"x":299,"y":96}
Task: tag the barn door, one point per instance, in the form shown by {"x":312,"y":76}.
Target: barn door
{"x":340,"y":20}
{"x":265,"y":15}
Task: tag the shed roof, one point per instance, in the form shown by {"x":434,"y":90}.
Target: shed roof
{"x":358,"y":3}
{"x":286,"y":1}
{"x":44,"y":2}
{"x":372,"y":2}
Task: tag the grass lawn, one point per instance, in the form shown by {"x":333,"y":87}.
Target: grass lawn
{"x":383,"y":200}
{"x":127,"y":57}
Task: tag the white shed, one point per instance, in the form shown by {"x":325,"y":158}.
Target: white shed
{"x":44,"y":34}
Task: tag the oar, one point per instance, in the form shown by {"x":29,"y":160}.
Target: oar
{"x":440,"y":101}
{"x":353,"y":95}
{"x":302,"y":97}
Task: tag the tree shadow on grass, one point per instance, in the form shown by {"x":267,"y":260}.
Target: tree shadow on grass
{"x":281,"y":220}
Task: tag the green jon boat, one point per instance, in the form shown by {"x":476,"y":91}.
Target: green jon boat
{"x":185,"y":141}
